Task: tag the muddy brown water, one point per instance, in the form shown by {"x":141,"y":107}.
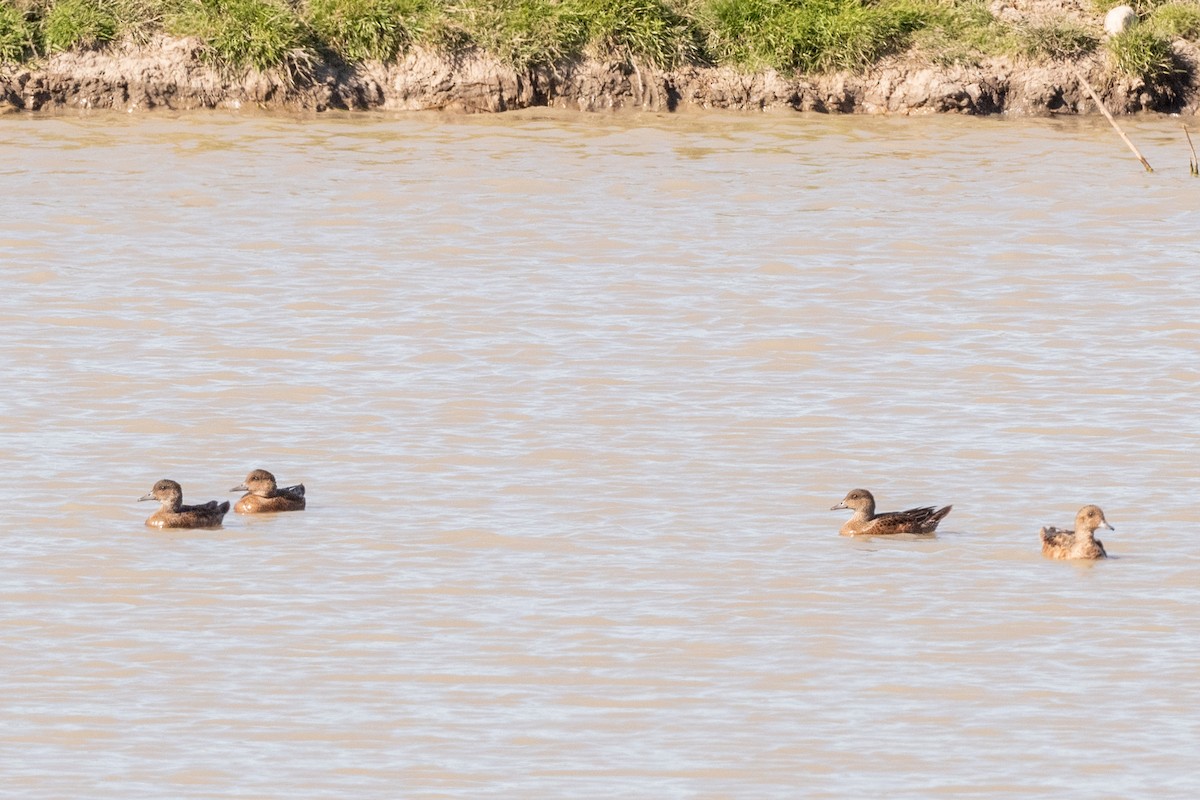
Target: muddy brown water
{"x":572,"y":396}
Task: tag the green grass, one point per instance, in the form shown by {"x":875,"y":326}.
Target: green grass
{"x":78,"y":24}
{"x":790,"y":36}
{"x":962,"y":33}
{"x":1145,"y":53}
{"x":1177,"y":20}
{"x":1058,"y":40}
{"x":1169,"y":17}
{"x":810,"y":35}
{"x":262,"y":34}
{"x":367,"y":30}
{"x":649,"y":31}
{"x":537,"y":33}
{"x":16,"y":34}
{"x":523,"y":33}
{"x":1145,"y":49}
{"x":1142,"y":8}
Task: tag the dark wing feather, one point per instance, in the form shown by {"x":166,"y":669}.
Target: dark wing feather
{"x":1056,"y":539}
{"x":923,"y":519}
{"x":211,"y":508}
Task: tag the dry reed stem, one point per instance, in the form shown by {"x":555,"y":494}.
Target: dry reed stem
{"x":1113,"y":122}
{"x":1193,"y":165}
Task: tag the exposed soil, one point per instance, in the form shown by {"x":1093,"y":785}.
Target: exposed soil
{"x":170,"y":74}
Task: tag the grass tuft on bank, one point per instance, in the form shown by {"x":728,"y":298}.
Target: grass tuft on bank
{"x":1177,"y":21}
{"x":1060,"y":40}
{"x":78,"y":24}
{"x":810,"y":35}
{"x":238,"y":34}
{"x":790,"y":36}
{"x":538,"y":33}
{"x":17,"y":34}
{"x":1145,"y":52}
{"x":367,"y":30}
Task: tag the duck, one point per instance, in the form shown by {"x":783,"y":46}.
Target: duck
{"x":264,"y":497}
{"x":174,"y":514}
{"x":866,"y":522}
{"x":1079,"y":543}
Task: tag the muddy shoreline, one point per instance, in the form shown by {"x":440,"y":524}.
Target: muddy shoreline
{"x":169,"y":74}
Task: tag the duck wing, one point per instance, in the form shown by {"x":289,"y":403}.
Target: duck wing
{"x":1056,"y":538}
{"x":212,"y":508}
{"x":297,"y":490}
{"x":914,"y":520}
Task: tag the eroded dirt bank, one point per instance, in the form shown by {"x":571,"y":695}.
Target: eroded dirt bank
{"x":169,"y":74}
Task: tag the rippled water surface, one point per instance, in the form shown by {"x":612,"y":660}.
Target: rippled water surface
{"x":572,"y":397}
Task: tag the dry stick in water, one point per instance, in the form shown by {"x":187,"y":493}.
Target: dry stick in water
{"x":1113,"y":122}
{"x":1194,"y":165}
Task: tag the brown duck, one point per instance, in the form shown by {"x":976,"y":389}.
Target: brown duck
{"x":1079,"y":543}
{"x":866,"y":522}
{"x":174,"y":514}
{"x":264,"y":497}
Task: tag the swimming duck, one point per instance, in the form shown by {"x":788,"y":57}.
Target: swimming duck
{"x":866,"y":522}
{"x":174,"y":514}
{"x":1079,"y":543}
{"x":263,"y":496}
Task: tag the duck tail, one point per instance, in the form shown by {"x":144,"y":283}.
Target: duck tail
{"x":1055,"y":537}
{"x":937,"y":517}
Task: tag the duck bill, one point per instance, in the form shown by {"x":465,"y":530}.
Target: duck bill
{"x":241,"y":488}
{"x":146,"y":497}
{"x":838,"y":506}
{"x":1104,"y":522}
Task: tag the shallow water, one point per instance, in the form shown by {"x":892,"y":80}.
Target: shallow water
{"x":572,"y":396}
